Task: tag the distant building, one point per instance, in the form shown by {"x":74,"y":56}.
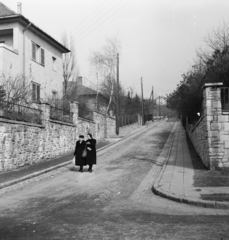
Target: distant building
{"x":26,"y":49}
{"x":88,"y":96}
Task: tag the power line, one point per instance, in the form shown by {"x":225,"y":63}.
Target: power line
{"x":90,"y":17}
{"x":98,"y":19}
{"x":91,"y":26}
{"x":47,"y":63}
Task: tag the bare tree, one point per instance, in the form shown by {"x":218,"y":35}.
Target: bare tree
{"x":104,"y":63}
{"x":17,"y":89}
{"x":218,"y":39}
{"x":70,"y":67}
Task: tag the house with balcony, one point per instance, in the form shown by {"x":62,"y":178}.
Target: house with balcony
{"x":27,"y":50}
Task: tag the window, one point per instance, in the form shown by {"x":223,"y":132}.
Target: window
{"x":38,"y":53}
{"x":42,"y":56}
{"x":35,"y":92}
{"x":54,"y":63}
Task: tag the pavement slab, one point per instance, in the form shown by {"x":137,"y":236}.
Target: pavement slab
{"x":177,"y":179}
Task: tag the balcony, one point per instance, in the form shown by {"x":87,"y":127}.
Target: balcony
{"x":8,"y":59}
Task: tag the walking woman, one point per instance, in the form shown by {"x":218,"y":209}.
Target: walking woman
{"x":91,"y":152}
{"x":80,"y":147}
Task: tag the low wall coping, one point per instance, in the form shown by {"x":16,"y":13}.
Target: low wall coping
{"x":23,"y":123}
{"x":86,"y":120}
{"x":212,"y":85}
{"x":62,"y":123}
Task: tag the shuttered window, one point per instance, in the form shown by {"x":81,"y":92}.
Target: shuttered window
{"x":38,"y":54}
{"x":38,"y":93}
{"x":42,"y":56}
{"x":34,"y":51}
{"x":35,"y":92}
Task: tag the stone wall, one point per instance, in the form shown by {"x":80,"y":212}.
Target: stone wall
{"x":25,"y":143}
{"x":210,"y":136}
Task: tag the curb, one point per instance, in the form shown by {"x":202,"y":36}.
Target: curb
{"x":36,"y":174}
{"x":191,"y":201}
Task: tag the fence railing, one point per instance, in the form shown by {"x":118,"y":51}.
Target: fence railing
{"x":225,"y":98}
{"x":85,"y":113}
{"x":12,"y":111}
{"x":127,"y":120}
{"x":60,"y":114}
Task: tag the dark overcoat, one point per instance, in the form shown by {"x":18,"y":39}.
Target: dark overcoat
{"x":91,"y":154}
{"x":79,"y":160}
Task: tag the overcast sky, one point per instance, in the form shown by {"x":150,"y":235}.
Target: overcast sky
{"x":158,"y":37}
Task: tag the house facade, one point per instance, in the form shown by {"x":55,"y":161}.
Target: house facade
{"x":27,"y":50}
{"x":85,"y":95}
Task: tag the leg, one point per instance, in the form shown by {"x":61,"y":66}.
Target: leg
{"x":81,"y":169}
{"x":90,"y":168}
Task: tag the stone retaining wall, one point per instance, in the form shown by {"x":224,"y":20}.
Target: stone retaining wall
{"x":210,"y":136}
{"x":25,"y":143}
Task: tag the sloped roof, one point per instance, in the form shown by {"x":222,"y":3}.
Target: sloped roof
{"x":5,"y":11}
{"x":82,"y":90}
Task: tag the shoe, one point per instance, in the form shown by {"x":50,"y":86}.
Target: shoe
{"x":90,"y":170}
{"x":80,"y":170}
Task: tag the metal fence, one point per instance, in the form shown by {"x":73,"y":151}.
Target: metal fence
{"x":61,"y":114}
{"x":12,"y":111}
{"x":225,"y":98}
{"x":85,"y":113}
{"x":127,"y":120}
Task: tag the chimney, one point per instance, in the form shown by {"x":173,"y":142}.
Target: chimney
{"x":80,"y":80}
{"x":19,"y":8}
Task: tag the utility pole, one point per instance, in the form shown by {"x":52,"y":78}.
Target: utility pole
{"x":160,"y":107}
{"x":143,"y":122}
{"x":117,"y":107}
{"x":152,"y":94}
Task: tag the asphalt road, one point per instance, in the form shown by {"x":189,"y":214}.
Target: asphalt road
{"x":108,"y":203}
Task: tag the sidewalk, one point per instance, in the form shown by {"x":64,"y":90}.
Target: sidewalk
{"x":177,"y":180}
{"x":12,"y":177}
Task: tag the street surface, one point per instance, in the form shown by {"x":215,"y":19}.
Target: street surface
{"x":108,"y":203}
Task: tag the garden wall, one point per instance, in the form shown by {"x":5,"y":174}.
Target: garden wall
{"x":24,"y":143}
{"x":210,"y":135}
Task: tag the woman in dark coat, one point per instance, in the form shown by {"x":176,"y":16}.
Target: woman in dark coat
{"x":91,"y":152}
{"x":79,"y":159}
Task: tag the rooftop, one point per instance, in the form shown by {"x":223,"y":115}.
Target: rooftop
{"x":8,"y":14}
{"x":5,"y":11}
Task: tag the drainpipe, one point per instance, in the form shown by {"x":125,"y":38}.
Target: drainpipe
{"x":24,"y":48}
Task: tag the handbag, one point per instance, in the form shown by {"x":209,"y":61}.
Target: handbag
{"x":84,"y":154}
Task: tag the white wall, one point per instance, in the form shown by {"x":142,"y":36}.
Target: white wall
{"x":44,"y":75}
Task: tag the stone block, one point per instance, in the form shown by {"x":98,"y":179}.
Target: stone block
{"x":225,"y":126}
{"x":225,"y":159}
{"x":226,"y":144}
{"x":215,"y":133}
{"x":216,"y":104}
{"x":215,"y":126}
{"x":222,"y":118}
{"x":215,"y":117}
{"x":208,"y":103}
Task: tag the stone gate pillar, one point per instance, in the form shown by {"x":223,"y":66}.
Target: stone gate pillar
{"x":45,"y":114}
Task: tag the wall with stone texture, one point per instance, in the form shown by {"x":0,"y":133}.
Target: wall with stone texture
{"x":210,"y":136}
{"x":25,"y":143}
